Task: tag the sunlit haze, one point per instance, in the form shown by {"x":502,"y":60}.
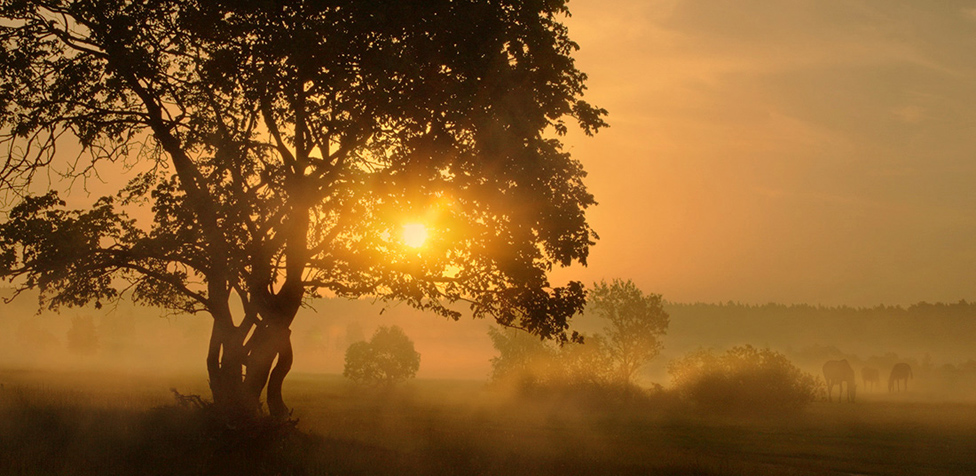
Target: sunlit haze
{"x":788,"y":151}
{"x":308,"y":237}
{"x":414,"y":234}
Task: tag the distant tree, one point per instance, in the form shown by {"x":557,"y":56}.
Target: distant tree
{"x":635,"y":324}
{"x":277,"y":147}
{"x":82,"y":338}
{"x":360,"y":363}
{"x":589,"y":363}
{"x":388,"y":357}
{"x":523,"y":358}
{"x":530,"y":363}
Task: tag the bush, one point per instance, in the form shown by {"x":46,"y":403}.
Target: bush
{"x":743,"y":379}
{"x":388,"y":357}
{"x":580,"y":372}
{"x":529,"y":362}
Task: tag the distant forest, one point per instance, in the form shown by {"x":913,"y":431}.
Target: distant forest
{"x":938,"y":332}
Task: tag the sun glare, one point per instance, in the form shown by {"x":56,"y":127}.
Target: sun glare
{"x":414,"y":235}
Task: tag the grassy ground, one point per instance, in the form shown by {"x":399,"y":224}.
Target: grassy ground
{"x":102,"y":424}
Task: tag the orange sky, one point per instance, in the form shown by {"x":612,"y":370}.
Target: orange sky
{"x":793,"y":151}
{"x":816,"y":151}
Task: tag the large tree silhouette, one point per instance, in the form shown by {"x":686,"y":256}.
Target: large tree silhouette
{"x":280,"y":146}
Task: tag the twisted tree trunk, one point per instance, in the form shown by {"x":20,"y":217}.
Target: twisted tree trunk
{"x":240,"y":368}
{"x":225,"y":367}
{"x":269,"y":342}
{"x":276,"y":405}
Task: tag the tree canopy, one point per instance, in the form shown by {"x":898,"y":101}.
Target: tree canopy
{"x":273,"y":150}
{"x":635,"y":324}
{"x":388,"y":357}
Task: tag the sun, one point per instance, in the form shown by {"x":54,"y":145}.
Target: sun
{"x":414,"y":234}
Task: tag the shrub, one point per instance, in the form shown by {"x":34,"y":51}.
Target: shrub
{"x":581,"y":372}
{"x":743,"y":379}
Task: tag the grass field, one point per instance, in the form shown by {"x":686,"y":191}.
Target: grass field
{"x":101,"y":424}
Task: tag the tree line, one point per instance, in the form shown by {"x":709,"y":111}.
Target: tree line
{"x":945,"y":329}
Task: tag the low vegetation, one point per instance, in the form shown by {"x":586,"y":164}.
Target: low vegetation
{"x":603,"y":365}
{"x":743,"y":378}
{"x":50,"y":426}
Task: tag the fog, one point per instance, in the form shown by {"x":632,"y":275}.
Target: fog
{"x":934,"y":339}
{"x":106,"y":372}
{"x":136,"y":338}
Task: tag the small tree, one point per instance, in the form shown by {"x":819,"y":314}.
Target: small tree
{"x":588,"y":363}
{"x":530,"y":363}
{"x":635,"y":324}
{"x":388,"y":357}
{"x":522,"y":359}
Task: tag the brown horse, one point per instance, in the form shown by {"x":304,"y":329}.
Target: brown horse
{"x":900,"y":371}
{"x":837,"y":372}
{"x":871,"y":377}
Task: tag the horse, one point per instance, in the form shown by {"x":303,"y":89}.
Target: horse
{"x":837,"y":372}
{"x":870,"y":376}
{"x":900,"y":371}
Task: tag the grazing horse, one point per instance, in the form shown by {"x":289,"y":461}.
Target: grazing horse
{"x":871,"y":376}
{"x":900,"y":371}
{"x":837,"y":372}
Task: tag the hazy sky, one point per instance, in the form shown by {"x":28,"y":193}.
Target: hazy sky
{"x":817,"y":151}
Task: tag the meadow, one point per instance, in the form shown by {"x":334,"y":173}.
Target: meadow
{"x":78,"y":423}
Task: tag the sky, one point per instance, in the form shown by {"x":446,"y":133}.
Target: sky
{"x":791,"y":151}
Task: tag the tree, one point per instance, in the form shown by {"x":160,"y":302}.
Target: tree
{"x":635,"y":324}
{"x":530,"y":363}
{"x":274,"y":150}
{"x":522,"y":358}
{"x":82,"y":337}
{"x":388,"y":357}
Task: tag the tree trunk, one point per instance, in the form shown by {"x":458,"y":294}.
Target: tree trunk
{"x":240,"y":368}
{"x":269,"y":342}
{"x":225,"y":367}
{"x":276,"y":405}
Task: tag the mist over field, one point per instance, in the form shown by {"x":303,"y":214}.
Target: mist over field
{"x":450,"y":420}
{"x":935,"y":339}
{"x":650,"y":237}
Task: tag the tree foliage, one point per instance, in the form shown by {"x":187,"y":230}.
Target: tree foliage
{"x":388,"y":357}
{"x":635,"y":323}
{"x":521,"y":357}
{"x":276,"y":147}
{"x":528,"y":363}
